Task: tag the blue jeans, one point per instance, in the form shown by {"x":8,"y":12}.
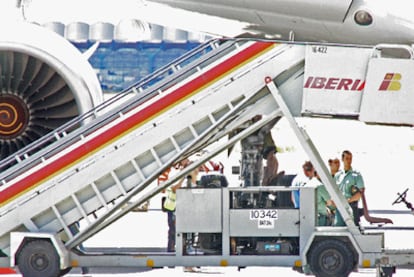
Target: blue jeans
{"x":171,"y":231}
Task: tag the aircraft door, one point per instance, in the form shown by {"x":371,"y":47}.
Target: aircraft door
{"x":389,"y":91}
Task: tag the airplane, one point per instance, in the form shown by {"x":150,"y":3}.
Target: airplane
{"x":55,"y":93}
{"x":361,"y":22}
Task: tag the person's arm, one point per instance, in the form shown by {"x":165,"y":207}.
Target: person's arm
{"x":360,"y":182}
{"x":294,"y":193}
{"x":359,"y":186}
{"x":270,"y":170}
{"x":355,"y":197}
{"x":266,"y":176}
{"x":178,"y":185}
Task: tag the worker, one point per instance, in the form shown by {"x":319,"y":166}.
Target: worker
{"x":169,"y":207}
{"x":301,"y":180}
{"x":351,"y":184}
{"x":253,"y":149}
{"x":334,"y":165}
{"x":270,"y":172}
{"x":324,"y":204}
{"x":269,"y":151}
{"x":170,"y":204}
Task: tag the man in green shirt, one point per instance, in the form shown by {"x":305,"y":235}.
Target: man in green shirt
{"x":323,"y":200}
{"x":351,"y":184}
{"x":324,"y":203}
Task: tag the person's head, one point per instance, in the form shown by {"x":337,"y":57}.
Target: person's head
{"x":268,"y":152}
{"x":334,"y":165}
{"x":347,"y":159}
{"x":308,"y":169}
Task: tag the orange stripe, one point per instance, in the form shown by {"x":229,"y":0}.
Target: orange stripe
{"x":132,"y":122}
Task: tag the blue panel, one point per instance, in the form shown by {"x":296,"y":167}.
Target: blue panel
{"x":120,"y":64}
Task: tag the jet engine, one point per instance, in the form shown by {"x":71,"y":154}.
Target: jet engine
{"x":44,"y":82}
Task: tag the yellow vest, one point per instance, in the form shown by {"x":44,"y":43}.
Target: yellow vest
{"x":169,"y":203}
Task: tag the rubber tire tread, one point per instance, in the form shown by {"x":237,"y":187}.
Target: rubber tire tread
{"x":43,"y":247}
{"x":347,"y":263}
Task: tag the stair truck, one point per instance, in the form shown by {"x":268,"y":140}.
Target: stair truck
{"x":95,"y":171}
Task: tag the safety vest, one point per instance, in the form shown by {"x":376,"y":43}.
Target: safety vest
{"x":169,"y":203}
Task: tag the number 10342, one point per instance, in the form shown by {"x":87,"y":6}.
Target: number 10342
{"x":263,"y":214}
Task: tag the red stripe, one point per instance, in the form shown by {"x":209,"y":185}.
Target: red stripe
{"x":141,"y":116}
{"x":7,"y":270}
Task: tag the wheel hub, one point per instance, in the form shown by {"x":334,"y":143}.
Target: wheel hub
{"x":39,"y":262}
{"x":331,"y":260}
{"x":14,"y":116}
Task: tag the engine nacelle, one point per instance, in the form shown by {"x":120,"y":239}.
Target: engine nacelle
{"x":44,"y":82}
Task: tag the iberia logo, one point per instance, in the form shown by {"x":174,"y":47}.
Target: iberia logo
{"x":391,"y":82}
{"x":332,"y":83}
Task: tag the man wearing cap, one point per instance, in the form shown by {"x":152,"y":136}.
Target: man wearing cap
{"x":334,"y":165}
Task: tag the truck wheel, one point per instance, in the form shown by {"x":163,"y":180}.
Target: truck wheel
{"x":38,"y":258}
{"x":329,"y":258}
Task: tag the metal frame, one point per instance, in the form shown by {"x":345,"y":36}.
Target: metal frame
{"x":368,"y":246}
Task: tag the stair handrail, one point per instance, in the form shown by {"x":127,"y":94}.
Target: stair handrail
{"x":52,"y":143}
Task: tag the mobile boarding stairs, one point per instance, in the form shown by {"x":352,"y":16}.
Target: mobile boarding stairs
{"x":92,"y":168}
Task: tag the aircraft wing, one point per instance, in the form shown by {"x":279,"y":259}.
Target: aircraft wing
{"x":259,"y":12}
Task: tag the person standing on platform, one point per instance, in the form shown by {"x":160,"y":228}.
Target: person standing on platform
{"x":351,"y":184}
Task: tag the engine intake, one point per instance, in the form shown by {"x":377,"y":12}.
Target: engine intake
{"x":44,"y":82}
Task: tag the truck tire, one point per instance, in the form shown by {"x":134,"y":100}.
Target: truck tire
{"x":330,"y":257}
{"x":38,"y":258}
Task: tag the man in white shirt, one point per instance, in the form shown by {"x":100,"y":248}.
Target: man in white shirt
{"x":301,"y":180}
